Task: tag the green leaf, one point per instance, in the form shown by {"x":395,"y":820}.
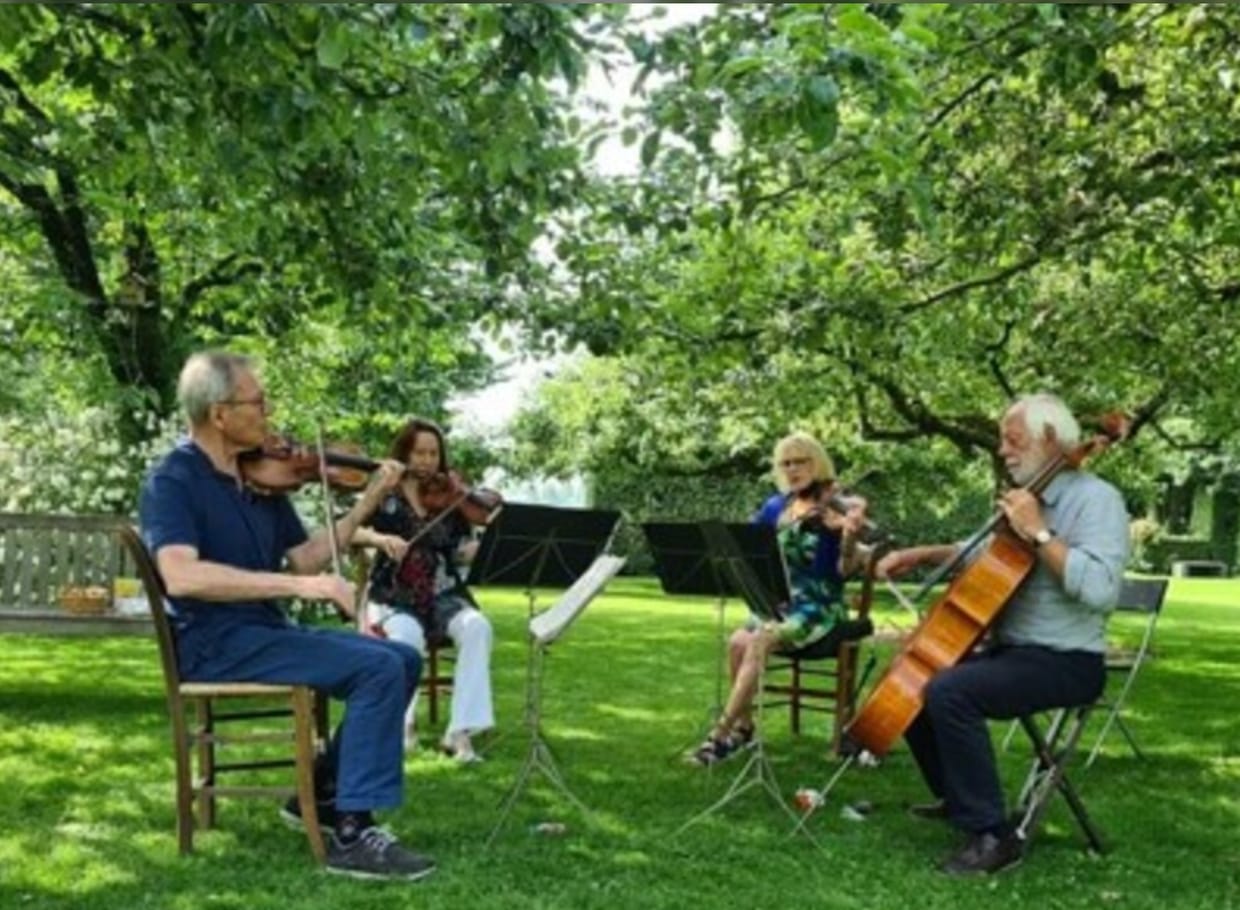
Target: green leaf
{"x":920,"y":34}
{"x":650,"y":147}
{"x":824,"y":90}
{"x":332,"y":48}
{"x":856,"y":21}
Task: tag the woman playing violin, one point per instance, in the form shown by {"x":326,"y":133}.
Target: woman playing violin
{"x":416,"y":592}
{"x":820,"y":549}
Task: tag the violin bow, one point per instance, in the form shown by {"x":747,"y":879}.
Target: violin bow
{"x":329,"y":512}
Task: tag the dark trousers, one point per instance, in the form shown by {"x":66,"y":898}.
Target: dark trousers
{"x":373,"y":676}
{"x":950,"y":740}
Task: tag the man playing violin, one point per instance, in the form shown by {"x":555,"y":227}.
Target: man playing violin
{"x":227,"y":556}
{"x":1047,"y":648}
{"x":820,"y":549}
{"x":417,"y":594}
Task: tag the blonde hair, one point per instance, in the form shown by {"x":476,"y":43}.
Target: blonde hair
{"x":801,"y":445}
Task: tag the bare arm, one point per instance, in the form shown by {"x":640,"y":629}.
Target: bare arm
{"x":315,"y":553}
{"x":393,"y":545}
{"x":186,"y":575}
{"x":901,"y":562}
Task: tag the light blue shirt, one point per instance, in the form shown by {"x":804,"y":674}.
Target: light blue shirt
{"x":1088,"y":515}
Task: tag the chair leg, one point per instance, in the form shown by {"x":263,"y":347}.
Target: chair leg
{"x":206,"y":763}
{"x":432,"y":684}
{"x":845,"y":680}
{"x":1048,"y":774}
{"x":304,"y":714}
{"x":1113,"y":720}
{"x":794,"y":697}
{"x":184,"y":780}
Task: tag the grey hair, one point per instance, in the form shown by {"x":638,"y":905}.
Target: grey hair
{"x":1043,"y":410}
{"x":208,"y":378}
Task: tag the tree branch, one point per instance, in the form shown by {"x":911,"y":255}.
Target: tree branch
{"x":1002,"y":275}
{"x":65,"y":235}
{"x":967,"y":432}
{"x":220,"y":274}
{"x":945,"y":111}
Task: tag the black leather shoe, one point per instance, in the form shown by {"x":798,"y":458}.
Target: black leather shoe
{"x":984,"y":855}
{"x":934,"y":810}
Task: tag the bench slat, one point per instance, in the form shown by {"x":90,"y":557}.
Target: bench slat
{"x":40,"y":554}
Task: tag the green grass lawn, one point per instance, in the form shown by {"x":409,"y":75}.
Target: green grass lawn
{"x":86,"y":806}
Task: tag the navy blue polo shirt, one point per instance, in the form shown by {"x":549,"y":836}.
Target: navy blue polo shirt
{"x":186,"y":501}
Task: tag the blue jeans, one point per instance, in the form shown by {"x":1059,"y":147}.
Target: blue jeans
{"x":375,"y":678}
{"x":949,"y":738}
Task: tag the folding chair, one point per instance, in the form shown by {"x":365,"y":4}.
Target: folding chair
{"x":1053,"y":751}
{"x":1143,"y":597}
{"x":307,"y":734}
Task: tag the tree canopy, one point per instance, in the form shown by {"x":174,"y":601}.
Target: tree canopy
{"x":883,"y":222}
{"x":344,"y":188}
{"x":878,"y":222}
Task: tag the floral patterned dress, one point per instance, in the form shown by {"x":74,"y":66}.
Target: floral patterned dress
{"x":812,"y":555}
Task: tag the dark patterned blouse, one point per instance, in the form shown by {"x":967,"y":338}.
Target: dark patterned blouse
{"x":429,"y":568}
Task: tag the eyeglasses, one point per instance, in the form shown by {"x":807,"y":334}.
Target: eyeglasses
{"x":259,"y":401}
{"x":794,"y":463}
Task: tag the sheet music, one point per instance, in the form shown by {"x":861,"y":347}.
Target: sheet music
{"x":550,"y":624}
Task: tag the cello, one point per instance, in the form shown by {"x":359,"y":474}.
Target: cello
{"x":958,"y":619}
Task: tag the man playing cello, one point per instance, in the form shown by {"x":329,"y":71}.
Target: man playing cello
{"x":1047,"y":648}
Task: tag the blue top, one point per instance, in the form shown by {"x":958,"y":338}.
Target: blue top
{"x":813,"y":560}
{"x":186,"y":501}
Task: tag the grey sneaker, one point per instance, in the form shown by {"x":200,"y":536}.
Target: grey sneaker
{"x":376,"y":854}
{"x":290,"y":813}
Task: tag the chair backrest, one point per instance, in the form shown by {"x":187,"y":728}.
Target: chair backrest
{"x":1142,"y":595}
{"x":153,"y":587}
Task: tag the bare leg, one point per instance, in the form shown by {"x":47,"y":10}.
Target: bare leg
{"x":739,"y":711}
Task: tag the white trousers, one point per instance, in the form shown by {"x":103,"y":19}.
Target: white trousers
{"x":470,"y":632}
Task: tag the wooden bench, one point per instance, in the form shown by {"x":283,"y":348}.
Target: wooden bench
{"x":41,"y":554}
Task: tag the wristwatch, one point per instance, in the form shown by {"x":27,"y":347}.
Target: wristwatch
{"x":1043,"y":537}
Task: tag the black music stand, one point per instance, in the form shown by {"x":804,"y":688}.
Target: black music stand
{"x":543,"y":546}
{"x":748,"y":558}
{"x":540,"y":546}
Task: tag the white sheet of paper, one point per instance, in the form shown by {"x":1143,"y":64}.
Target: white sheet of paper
{"x":550,"y":624}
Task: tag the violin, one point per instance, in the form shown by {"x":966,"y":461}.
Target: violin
{"x":282,"y":465}
{"x":443,"y":492}
{"x":830,"y":498}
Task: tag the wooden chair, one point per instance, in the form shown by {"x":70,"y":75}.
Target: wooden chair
{"x":823,"y":677}
{"x":204,"y":736}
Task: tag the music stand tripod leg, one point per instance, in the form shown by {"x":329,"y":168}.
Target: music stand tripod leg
{"x":807,"y":813}
{"x":756,"y":772}
{"x":539,"y":757}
